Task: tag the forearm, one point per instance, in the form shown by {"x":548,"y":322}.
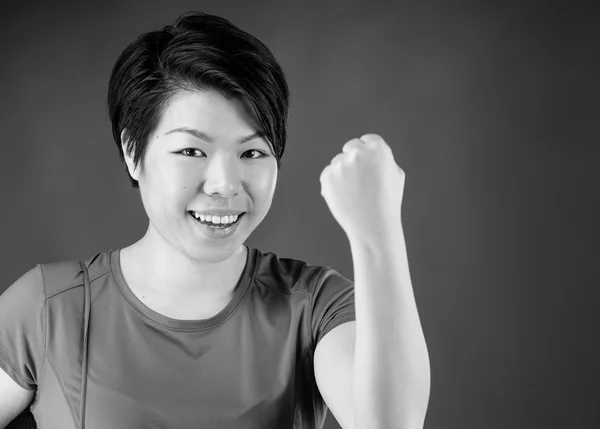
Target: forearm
{"x":391,"y":366}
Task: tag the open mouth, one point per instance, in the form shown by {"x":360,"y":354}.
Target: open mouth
{"x":217,"y":225}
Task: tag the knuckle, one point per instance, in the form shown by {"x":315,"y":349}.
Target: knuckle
{"x":372,"y":137}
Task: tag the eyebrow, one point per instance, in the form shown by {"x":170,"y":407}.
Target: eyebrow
{"x":207,"y":138}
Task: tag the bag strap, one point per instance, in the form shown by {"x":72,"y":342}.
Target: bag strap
{"x":87,"y":309}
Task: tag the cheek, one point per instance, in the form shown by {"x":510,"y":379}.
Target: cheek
{"x":264,"y":181}
{"x":168,"y":187}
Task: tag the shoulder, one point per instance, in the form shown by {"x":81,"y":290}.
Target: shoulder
{"x":288,"y":275}
{"x":47,"y":280}
{"x":25,"y":292}
{"x":61,"y":276}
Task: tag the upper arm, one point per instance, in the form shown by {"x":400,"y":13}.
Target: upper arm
{"x":21,"y":343}
{"x":22,"y":329}
{"x":334,"y":371}
{"x":333,"y":329}
{"x":13,"y":399}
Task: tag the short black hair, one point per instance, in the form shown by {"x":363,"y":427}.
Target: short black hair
{"x":197,"y":52}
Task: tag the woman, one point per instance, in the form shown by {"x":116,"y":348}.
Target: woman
{"x":188,"y":327}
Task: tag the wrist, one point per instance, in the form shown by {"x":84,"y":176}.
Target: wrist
{"x":387,"y":237}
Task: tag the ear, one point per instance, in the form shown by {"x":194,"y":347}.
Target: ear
{"x":133,"y":171}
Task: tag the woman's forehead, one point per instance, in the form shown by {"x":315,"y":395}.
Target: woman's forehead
{"x":209,"y":108}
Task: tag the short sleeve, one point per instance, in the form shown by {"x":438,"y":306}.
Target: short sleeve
{"x":22,"y":328}
{"x":332,"y":303}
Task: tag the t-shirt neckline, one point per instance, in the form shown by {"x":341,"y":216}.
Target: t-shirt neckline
{"x":154,"y":317}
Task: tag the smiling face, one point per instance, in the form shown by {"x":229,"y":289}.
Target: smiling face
{"x":205,"y":154}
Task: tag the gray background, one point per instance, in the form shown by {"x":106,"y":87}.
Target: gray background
{"x":491,"y":110}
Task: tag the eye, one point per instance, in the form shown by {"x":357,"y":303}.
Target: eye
{"x":187,"y":150}
{"x":262,"y":154}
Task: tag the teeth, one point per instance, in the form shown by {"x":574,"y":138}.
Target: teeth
{"x":216,"y":219}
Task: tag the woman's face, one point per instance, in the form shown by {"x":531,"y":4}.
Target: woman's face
{"x":195,"y":162}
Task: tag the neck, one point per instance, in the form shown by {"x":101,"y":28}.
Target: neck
{"x":171,"y":271}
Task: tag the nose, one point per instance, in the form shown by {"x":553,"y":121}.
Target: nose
{"x":222,"y":176}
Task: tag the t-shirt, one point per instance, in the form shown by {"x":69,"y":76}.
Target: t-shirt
{"x":248,"y":366}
